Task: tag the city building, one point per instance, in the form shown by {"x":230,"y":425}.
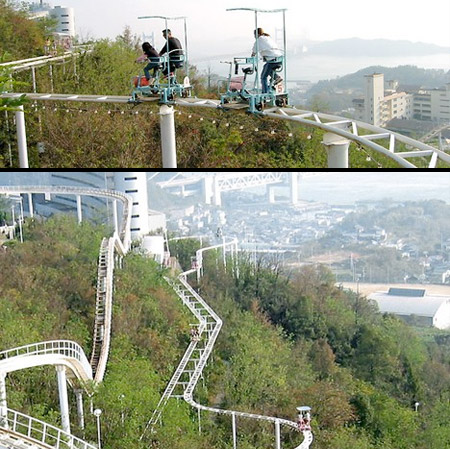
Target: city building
{"x":64,"y":16}
{"x":383,"y":103}
{"x":433,"y":104}
{"x":143,"y":220}
{"x":415,"y":306}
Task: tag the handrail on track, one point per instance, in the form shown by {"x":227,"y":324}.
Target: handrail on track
{"x":40,"y":433}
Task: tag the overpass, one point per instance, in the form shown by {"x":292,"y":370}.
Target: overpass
{"x":212,"y":186}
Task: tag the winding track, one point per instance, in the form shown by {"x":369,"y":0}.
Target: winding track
{"x":23,"y":432}
{"x":191,"y":367}
{"x":365,"y":134}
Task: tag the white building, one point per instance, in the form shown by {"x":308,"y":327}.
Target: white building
{"x":66,"y":20}
{"x":374,"y":95}
{"x":135,"y":185}
{"x":380,"y":105}
{"x":415,"y":306}
{"x":65,"y":17}
{"x":433,"y":104}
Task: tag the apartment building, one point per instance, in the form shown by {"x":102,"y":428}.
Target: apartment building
{"x":382,"y":103}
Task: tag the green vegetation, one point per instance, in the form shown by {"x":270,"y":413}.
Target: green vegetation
{"x":82,"y":135}
{"x":285,"y":342}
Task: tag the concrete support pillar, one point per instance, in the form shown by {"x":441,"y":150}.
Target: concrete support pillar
{"x":21,"y":138}
{"x":80,"y":409}
{"x":293,"y":184}
{"x":50,"y":68}
{"x":3,"y":403}
{"x":33,"y":76}
{"x":207,"y":189}
{"x":30,"y":204}
{"x":277,"y":435}
{"x":79,"y":210}
{"x":337,"y":149}
{"x":63,"y":399}
{"x":271,"y":194}
{"x":233,"y":424}
{"x":216,"y":192}
{"x":168,"y":142}
{"x":115,"y":217}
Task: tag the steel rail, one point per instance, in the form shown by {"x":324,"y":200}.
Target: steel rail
{"x":54,"y":352}
{"x":198,"y":305}
{"x":347,"y":128}
{"x":124,"y":236}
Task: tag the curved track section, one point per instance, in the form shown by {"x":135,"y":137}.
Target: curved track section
{"x":56,"y":352}
{"x":353,"y":130}
{"x":103,"y":309}
{"x":188,"y":372}
{"x":23,"y":431}
{"x":124,"y":237}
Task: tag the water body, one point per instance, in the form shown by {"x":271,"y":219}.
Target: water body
{"x":346,"y":188}
{"x":320,"y":67}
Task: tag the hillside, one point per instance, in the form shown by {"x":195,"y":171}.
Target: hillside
{"x":405,"y":75}
{"x":285,"y":342}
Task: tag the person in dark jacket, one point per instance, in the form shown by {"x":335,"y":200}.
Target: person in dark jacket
{"x":175,"y":50}
{"x":152,"y":56}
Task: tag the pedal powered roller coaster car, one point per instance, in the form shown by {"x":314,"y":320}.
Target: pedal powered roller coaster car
{"x":240,"y":93}
{"x":162,"y":87}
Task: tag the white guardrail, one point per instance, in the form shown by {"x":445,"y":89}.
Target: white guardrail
{"x":40,"y":433}
{"x":206,"y":315}
{"x":53,"y":352}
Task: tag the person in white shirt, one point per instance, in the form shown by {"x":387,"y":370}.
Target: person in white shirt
{"x":269,"y":51}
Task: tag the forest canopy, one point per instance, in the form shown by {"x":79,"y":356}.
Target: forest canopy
{"x":286,"y":341}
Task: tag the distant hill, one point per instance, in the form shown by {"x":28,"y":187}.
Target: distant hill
{"x":405,"y":75}
{"x":375,"y":47}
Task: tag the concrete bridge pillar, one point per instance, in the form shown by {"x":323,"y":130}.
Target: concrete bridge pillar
{"x":63,"y":399}
{"x":3,"y":403}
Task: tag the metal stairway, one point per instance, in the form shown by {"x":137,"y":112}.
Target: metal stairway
{"x":103,"y":309}
{"x":19,"y":431}
{"x":196,"y":356}
{"x":192,"y":361}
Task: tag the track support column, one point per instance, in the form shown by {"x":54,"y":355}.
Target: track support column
{"x":63,"y":400}
{"x":30,"y":205}
{"x":168,"y":142}
{"x":115,"y":217}
{"x":21,"y":138}
{"x":80,"y":408}
{"x":3,"y":403}
{"x":277,"y":435}
{"x":233,"y":423}
{"x":79,"y":209}
{"x":337,"y":149}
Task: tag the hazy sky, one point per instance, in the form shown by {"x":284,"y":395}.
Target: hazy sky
{"x":213,"y":31}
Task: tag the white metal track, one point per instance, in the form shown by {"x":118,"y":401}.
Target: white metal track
{"x":25,"y":432}
{"x":367,"y":135}
{"x":67,"y":353}
{"x":183,"y":381}
{"x":190,"y":369}
{"x":55,"y":352}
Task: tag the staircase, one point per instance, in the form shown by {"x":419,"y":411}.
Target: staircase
{"x":103,"y":309}
{"x":186,"y":376}
{"x":198,"y":350}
